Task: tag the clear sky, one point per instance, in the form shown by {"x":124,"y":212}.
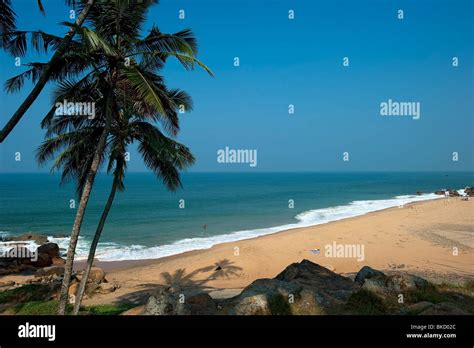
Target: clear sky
{"x":300,"y":62}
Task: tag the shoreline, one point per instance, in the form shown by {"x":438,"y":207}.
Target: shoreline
{"x":235,"y":236}
{"x":129,"y":264}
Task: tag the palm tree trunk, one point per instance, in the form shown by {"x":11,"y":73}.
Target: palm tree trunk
{"x":76,"y":228}
{"x":95,"y":241}
{"x":44,"y":76}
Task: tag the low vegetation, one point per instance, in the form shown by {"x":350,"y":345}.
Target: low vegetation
{"x":51,"y":308}
{"x":365,"y":302}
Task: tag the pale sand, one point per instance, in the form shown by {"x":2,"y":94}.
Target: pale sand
{"x":417,"y":238}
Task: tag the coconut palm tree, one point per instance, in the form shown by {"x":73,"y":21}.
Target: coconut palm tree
{"x":15,"y":42}
{"x":131,"y":124}
{"x":118,"y":70}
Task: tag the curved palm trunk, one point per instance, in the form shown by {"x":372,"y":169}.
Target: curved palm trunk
{"x":95,"y":241}
{"x":63,"y":297}
{"x":44,"y":76}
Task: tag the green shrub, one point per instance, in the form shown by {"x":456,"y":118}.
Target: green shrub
{"x":365,"y":302}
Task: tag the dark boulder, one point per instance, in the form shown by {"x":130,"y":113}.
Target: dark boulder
{"x":51,"y":249}
{"x":367,"y":272}
{"x":43,"y":260}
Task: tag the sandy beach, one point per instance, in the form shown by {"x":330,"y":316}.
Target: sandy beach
{"x":433,"y":238}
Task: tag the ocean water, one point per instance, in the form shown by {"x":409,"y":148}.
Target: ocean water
{"x":147,"y":222}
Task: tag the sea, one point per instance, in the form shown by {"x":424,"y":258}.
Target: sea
{"x":147,"y":221}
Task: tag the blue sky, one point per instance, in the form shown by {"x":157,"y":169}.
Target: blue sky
{"x":299,"y":62}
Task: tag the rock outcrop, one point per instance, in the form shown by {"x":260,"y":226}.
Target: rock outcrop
{"x":302,"y":288}
{"x":46,"y":254}
{"x":378,"y":282}
{"x":167,"y":301}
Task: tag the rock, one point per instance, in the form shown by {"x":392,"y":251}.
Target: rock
{"x":73,"y":289}
{"x":367,"y":272}
{"x":49,"y":271}
{"x":15,"y":268}
{"x":43,"y":260}
{"x":302,"y":288}
{"x":58,"y":261}
{"x":259,"y":297}
{"x":444,"y":308}
{"x":403,"y":282}
{"x":38,"y":238}
{"x":201,"y":304}
{"x":416,"y":308}
{"x":419,"y":193}
{"x":252,"y":305}
{"x":469,"y":191}
{"x":96,"y":283}
{"x":51,"y":249}
{"x":378,"y":282}
{"x":454,"y":193}
{"x":376,"y":285}
{"x":91,"y":288}
{"x":164,"y":302}
{"x":44,"y":256}
{"x":168,"y":302}
{"x":311,"y":275}
{"x":106,"y":288}
{"x":96,"y":275}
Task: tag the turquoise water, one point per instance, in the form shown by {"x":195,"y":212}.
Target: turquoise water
{"x":146,"y":221}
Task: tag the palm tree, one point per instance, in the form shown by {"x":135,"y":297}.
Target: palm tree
{"x":75,"y":138}
{"x":162,"y":155}
{"x":118,"y":75}
{"x":15,"y":42}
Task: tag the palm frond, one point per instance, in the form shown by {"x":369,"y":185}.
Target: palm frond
{"x":164,"y":156}
{"x":41,"y":7}
{"x":7,"y":21}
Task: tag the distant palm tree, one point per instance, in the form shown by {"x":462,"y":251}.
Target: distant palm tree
{"x":120,"y":76}
{"x":15,"y":42}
